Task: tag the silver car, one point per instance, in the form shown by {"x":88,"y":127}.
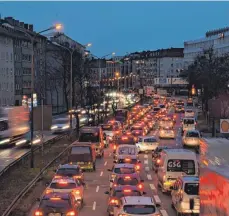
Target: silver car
{"x":191,"y":138}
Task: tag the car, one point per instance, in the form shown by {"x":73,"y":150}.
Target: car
{"x":109,"y":130}
{"x":25,"y":141}
{"x":179,"y":109}
{"x":128,"y":179}
{"x":189,"y":113}
{"x":188,"y":124}
{"x":189,"y":201}
{"x":191,"y":138}
{"x":137,"y":205}
{"x":67,"y":185}
{"x":69,"y":170}
{"x":125,"y":151}
{"x":124,"y":139}
{"x":57,"y":204}
{"x":167,"y":132}
{"x":166,"y":122}
{"x":147,"y":143}
{"x":132,"y":159}
{"x":62,"y":125}
{"x":118,"y":192}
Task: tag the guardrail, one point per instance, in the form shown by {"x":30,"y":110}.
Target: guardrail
{"x":17,"y":161}
{"x":12,"y":206}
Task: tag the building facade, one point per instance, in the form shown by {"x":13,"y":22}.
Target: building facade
{"x":217,"y":39}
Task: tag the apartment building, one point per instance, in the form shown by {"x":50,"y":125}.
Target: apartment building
{"x":217,"y":39}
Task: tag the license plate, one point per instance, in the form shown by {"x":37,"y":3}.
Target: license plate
{"x":54,"y":214}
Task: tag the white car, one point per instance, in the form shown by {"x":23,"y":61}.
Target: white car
{"x":61,"y":125}
{"x":191,"y":138}
{"x":137,"y":205}
{"x":166,"y":133}
{"x":147,"y":143}
{"x":189,"y":113}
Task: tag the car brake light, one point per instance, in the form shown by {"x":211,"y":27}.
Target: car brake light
{"x":140,"y":186}
{"x":127,"y":177}
{"x":55,"y":198}
{"x":115,"y":185}
{"x":127,"y":191}
{"x":124,"y":138}
{"x":76,"y":192}
{"x":158,"y":161}
{"x":48,"y":191}
{"x":78,"y":177}
{"x":57,"y":176}
{"x":38,"y":213}
{"x":71,"y":213}
{"x":128,"y":159}
{"x":114,"y":201}
{"x":63,"y":182}
{"x":137,"y":167}
{"x":114,"y":147}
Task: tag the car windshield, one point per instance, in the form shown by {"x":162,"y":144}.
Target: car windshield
{"x":56,"y":204}
{"x":127,"y":181}
{"x":156,"y":109}
{"x":139,"y":209}
{"x":63,"y":185}
{"x":188,"y":121}
{"x":126,"y":150}
{"x":61,"y":121}
{"x":191,"y":188}
{"x":107,"y":127}
{"x":89,"y":137}
{"x":189,"y":111}
{"x":120,"y":194}
{"x":68,"y":171}
{"x":124,"y":170}
{"x":185,"y":166}
{"x":193,"y":134}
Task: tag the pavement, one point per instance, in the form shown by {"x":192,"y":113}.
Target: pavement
{"x":98,"y":182}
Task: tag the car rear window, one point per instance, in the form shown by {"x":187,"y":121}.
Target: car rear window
{"x":156,"y":109}
{"x":127,"y":151}
{"x":63,"y":186}
{"x":139,"y":209}
{"x":132,"y":161}
{"x":123,"y":181}
{"x":124,"y":170}
{"x":188,"y":121}
{"x":189,"y":111}
{"x":193,"y":134}
{"x":56,"y":204}
{"x":191,"y":188}
{"x":68,"y":171}
{"x":120,"y":194}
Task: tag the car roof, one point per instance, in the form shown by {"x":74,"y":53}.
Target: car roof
{"x":177,"y":151}
{"x":192,"y":131}
{"x":66,"y":179}
{"x":69,"y":166}
{"x":133,"y":175}
{"x":124,"y":165}
{"x":55,"y":194}
{"x":188,"y":179}
{"x":137,"y":200}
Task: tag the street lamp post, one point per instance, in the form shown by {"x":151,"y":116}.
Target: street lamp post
{"x":32,"y":39}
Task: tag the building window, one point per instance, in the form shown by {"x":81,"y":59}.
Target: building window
{"x":11,"y":56}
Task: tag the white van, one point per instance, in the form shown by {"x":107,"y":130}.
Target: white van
{"x":188,"y":124}
{"x":175,"y":163}
{"x":126,"y":150}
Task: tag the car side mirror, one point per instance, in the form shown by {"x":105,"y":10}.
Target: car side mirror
{"x":106,"y":192}
{"x":109,"y":170}
{"x":158,"y":205}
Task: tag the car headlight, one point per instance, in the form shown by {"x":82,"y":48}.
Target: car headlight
{"x":66,"y":127}
{"x":36,"y":141}
{"x":54,"y":127}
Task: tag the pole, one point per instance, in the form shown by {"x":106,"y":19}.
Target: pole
{"x":71,"y":65}
{"x":42,"y":128}
{"x":31,"y":112}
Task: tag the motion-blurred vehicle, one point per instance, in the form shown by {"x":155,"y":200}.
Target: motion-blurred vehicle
{"x":25,"y":140}
{"x":189,"y":201}
{"x":191,"y":138}
{"x":69,"y":170}
{"x":67,"y":185}
{"x":167,"y":132}
{"x":118,"y":192}
{"x":57,"y":204}
{"x":83,"y":154}
{"x":62,"y":125}
{"x":147,"y":143}
{"x":137,"y":205}
{"x":93,"y":135}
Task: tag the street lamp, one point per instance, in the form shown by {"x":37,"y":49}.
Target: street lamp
{"x":71,"y":51}
{"x":32,"y":39}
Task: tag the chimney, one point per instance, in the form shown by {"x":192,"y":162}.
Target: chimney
{"x":21,"y":24}
{"x":30,"y":27}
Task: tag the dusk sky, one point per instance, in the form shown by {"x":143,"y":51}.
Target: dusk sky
{"x":124,"y":26}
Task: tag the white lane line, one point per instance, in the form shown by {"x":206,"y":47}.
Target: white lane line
{"x":152,"y":187}
{"x":94,"y":206}
{"x":146,"y":162}
{"x":157,"y":199}
{"x":146,"y":168}
{"x":145,"y":156}
{"x":164,"y":213}
{"x":97,"y":189}
{"x":101,"y":173}
{"x":105,"y":163}
{"x":149,"y":177}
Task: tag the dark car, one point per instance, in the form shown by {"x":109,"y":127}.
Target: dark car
{"x":57,"y":204}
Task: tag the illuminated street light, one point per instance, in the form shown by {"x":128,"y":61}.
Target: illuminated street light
{"x":58,"y":26}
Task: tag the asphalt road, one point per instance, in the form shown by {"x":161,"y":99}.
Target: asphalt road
{"x":98,"y":182}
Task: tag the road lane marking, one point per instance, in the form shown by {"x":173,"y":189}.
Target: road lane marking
{"x":146,"y":162}
{"x":152,"y":187}
{"x":105,"y":163}
{"x":157,"y":199}
{"x":146,"y":168}
{"x":97,"y":189}
{"x":94,"y":206}
{"x":101,"y":173}
{"x":149,"y":177}
{"x":145,"y":156}
{"x":164,"y":213}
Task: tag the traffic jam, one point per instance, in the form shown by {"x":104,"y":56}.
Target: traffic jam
{"x":142,"y":161}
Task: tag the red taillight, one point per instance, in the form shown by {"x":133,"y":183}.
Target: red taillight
{"x":57,"y":176}
{"x":77,"y":177}
{"x":38,"y":213}
{"x":140,"y":186}
{"x":114,"y":202}
{"x":127,"y":177}
{"x":115,"y":185}
{"x":158,"y":161}
{"x":76,"y":192}
{"x":114,"y":147}
{"x":137,"y":167}
{"x":71,"y":213}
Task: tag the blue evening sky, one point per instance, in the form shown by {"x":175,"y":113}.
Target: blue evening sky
{"x":124,"y":26}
